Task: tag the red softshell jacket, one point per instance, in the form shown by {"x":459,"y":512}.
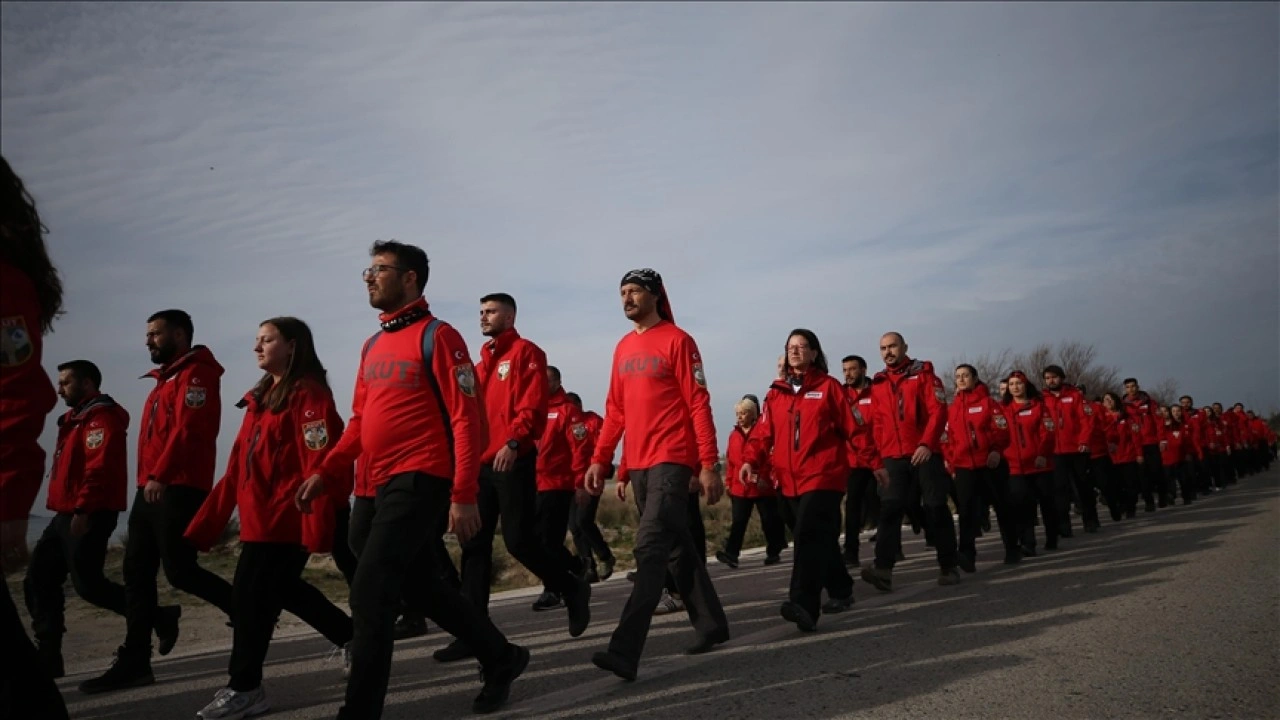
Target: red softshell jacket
{"x":26,"y":394}
{"x":909,"y":408}
{"x":406,"y":419}
{"x":1124,"y":433}
{"x":1097,"y":430}
{"x":91,"y":464}
{"x":807,"y":430}
{"x":733,"y":463}
{"x":976,"y":427}
{"x":513,"y":382}
{"x":1178,"y":445}
{"x":862,"y":446}
{"x":178,"y":438}
{"x":272,"y":454}
{"x":1031,"y":429}
{"x":1143,"y":408}
{"x":1071,"y":413}
{"x":563,"y":450}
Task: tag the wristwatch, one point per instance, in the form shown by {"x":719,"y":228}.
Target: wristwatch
{"x":513,"y":444}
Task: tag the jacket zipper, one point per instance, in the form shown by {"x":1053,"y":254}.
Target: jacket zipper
{"x":796,"y":440}
{"x":248,"y":454}
{"x":151,"y":417}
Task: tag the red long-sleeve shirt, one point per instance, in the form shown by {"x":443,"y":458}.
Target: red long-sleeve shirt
{"x":178,"y":439}
{"x":513,"y":380}
{"x":91,"y":464}
{"x":909,"y":409}
{"x":26,"y":394}
{"x":408,"y":420}
{"x":658,"y":395}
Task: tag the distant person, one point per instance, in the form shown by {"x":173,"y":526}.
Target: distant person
{"x":593,"y":552}
{"x":1070,"y":410}
{"x":1030,"y":457}
{"x":1145,"y":410}
{"x":1124,"y":445}
{"x":658,"y":398}
{"x":177,"y":443}
{"x":88,"y":489}
{"x":756,"y":493}
{"x":861,"y":501}
{"x":30,"y":300}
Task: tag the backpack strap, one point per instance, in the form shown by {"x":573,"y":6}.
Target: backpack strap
{"x":429,"y":342}
{"x":428,"y":350}
{"x":368,"y":344}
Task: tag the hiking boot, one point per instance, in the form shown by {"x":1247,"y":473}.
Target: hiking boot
{"x":547,"y":601}
{"x":166,"y":628}
{"x":410,"y":625}
{"x":948,"y":576}
{"x":453,"y":652}
{"x":881,"y":578}
{"x":967,"y":562}
{"x":129,"y":669}
{"x":792,"y":612}
{"x":231,"y":705}
{"x":579,"y":606}
{"x":837,"y":605}
{"x":727,"y":559}
{"x":498,"y":680}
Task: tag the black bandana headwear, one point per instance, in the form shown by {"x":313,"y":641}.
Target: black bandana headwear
{"x":650,"y":280}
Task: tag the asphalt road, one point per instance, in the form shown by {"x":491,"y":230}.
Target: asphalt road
{"x":1172,"y":614}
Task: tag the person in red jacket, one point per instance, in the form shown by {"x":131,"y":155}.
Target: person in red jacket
{"x":87,"y":492}
{"x":803,"y":435}
{"x":289,"y":425}
{"x":1100,"y":467}
{"x":1124,"y":444}
{"x":909,"y":412}
{"x":417,"y":419}
{"x":30,"y":300}
{"x":1246,"y":464}
{"x":1070,"y":410}
{"x":976,"y":437}
{"x":177,"y":441}
{"x":1196,"y":429}
{"x":1145,"y":410}
{"x":1177,"y":451}
{"x":587,"y":539}
{"x":861,"y":501}
{"x":1030,"y":456}
{"x":658,"y":396}
{"x":1260,"y":435}
{"x":1230,"y":444}
{"x":562,"y":464}
{"x":758,"y":494}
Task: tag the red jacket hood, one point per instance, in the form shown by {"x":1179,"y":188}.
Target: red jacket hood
{"x":198,"y":355}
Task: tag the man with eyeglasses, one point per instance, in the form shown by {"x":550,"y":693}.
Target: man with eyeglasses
{"x":417,"y":419}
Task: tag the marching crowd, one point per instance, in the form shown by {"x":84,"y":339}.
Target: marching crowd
{"x":435,"y":444}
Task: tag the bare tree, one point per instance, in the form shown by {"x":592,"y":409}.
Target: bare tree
{"x":1164,"y":392}
{"x":1034,"y":361}
{"x":1078,"y":360}
{"x":992,"y":368}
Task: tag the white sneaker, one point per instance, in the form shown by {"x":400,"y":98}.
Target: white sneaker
{"x":668,"y":604}
{"x":231,"y":705}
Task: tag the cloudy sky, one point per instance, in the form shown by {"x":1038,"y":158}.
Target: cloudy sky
{"x":977,"y":176}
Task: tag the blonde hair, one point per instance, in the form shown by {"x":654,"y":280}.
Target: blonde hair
{"x":745,"y":403}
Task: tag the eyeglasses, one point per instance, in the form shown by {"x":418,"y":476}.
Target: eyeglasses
{"x":370,"y":273}
{"x":797,"y":348}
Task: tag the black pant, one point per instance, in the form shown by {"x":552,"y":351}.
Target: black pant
{"x":432,"y":558}
{"x":587,"y":539}
{"x":1102,"y":474}
{"x":25,"y":690}
{"x":930,"y":483}
{"x":269,"y":578}
{"x":973,"y":487}
{"x":1041,"y":490}
{"x":58,"y":553}
{"x":816,"y":562}
{"x":551,"y":524}
{"x":1125,"y":478}
{"x":155,"y":540}
{"x":664,"y":543}
{"x":1152,"y":475}
{"x":387,"y":533}
{"x":513,"y":497}
{"x":1071,"y":472}
{"x":1183,"y":475}
{"x":861,"y":493}
{"x":770,"y":522}
{"x":343,"y":556}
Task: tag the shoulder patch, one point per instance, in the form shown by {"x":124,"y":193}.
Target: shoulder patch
{"x":504,"y":369}
{"x":1088,"y":408}
{"x":1001,"y":421}
{"x":315,"y":434}
{"x":579,"y":431}
{"x":1049,"y":424}
{"x":15,"y":341}
{"x":94,"y":438}
{"x":195,"y":397}
{"x":940,"y":393}
{"x":699,"y":376}
{"x":465,"y":376}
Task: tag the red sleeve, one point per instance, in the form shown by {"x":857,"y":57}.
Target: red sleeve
{"x":755,"y":451}
{"x":948,"y":452}
{"x":1083,"y":419}
{"x":192,"y":424}
{"x":843,"y":411}
{"x":935,"y":402}
{"x":209,"y":522}
{"x":531,"y":395}
{"x":466,"y":420}
{"x":317,"y":429}
{"x":687,"y":364}
{"x":101,"y":459}
{"x":342,"y":458}
{"x":614,"y":420}
{"x":999,"y":427}
{"x":579,"y":437}
{"x":1048,"y":436}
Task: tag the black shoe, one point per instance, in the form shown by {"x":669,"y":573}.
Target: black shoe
{"x":579,"y":605}
{"x":410,"y":626}
{"x":1028,"y":551}
{"x":167,"y":628}
{"x":49,"y":657}
{"x":967,"y":562}
{"x":1093,"y":528}
{"x":792,"y":612}
{"x":1149,"y":507}
{"x":1131,"y":514}
{"x":498,"y":680}
{"x":707,"y":643}
{"x":631,"y":576}
{"x":548,"y":601}
{"x":607,"y":572}
{"x":726,"y":559}
{"x":1164,"y":502}
{"x":837,"y":605}
{"x":1116,"y":515}
{"x":901,"y":555}
{"x":1066,"y":533}
{"x":129,"y":669}
{"x":948,"y":576}
{"x":591,"y":575}
{"x":453,"y":652}
{"x":772,"y":559}
{"x":1013,"y":556}
{"x":1051,"y":544}
{"x":615,"y":664}
{"x":851,"y":559}
{"x":881,"y":578}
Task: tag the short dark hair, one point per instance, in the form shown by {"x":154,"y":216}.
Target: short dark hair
{"x":500,"y":298}
{"x":573,"y":398}
{"x":84,"y":370}
{"x":1054,"y":370}
{"x":177,"y":319}
{"x":1187,"y":397}
{"x":1130,"y":380}
{"x":854,"y":359}
{"x":410,"y":258}
{"x":554,"y":371}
